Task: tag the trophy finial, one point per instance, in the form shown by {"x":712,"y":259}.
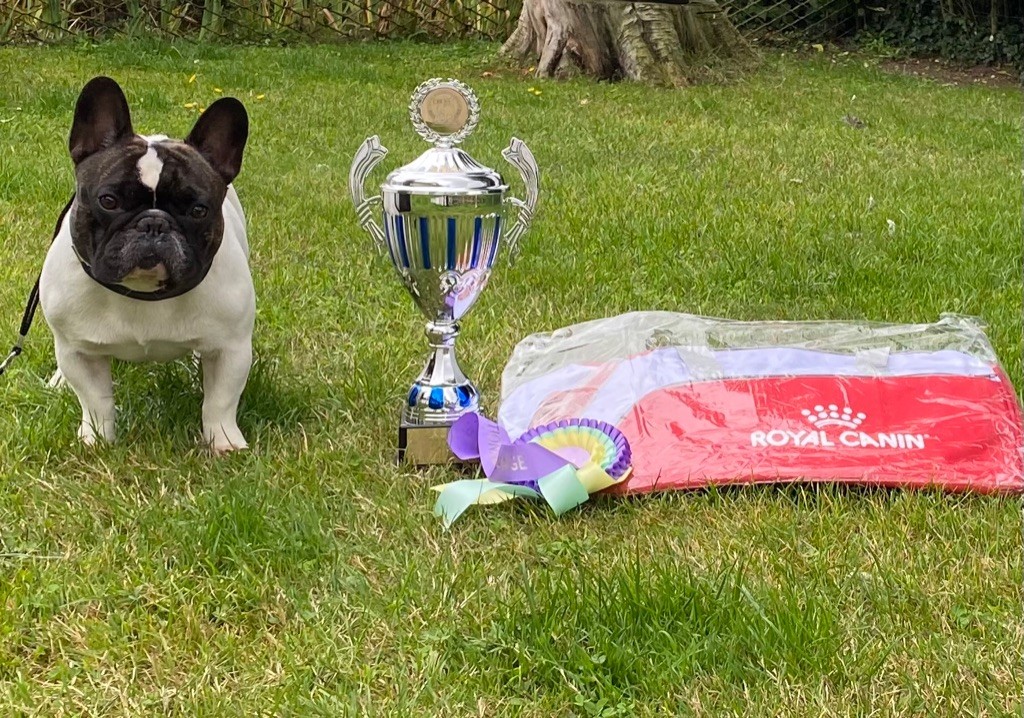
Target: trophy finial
{"x":444,"y":112}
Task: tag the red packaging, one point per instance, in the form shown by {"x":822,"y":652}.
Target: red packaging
{"x":705,"y":401}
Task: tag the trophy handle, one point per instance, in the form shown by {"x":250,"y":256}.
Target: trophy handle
{"x":370,"y":153}
{"x":518,"y":154}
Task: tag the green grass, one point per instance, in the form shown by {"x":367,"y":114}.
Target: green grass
{"x":308,"y":577}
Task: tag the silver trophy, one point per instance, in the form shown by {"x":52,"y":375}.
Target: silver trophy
{"x":444,"y":225}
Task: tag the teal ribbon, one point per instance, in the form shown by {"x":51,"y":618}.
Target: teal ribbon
{"x":562,"y":489}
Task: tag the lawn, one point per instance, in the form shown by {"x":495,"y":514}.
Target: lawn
{"x":308,"y":576}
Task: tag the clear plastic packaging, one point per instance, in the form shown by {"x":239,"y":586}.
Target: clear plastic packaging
{"x":705,"y":400}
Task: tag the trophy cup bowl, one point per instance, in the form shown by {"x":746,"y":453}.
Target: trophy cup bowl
{"x":444,"y":224}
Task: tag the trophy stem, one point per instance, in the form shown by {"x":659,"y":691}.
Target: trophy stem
{"x":442,"y":393}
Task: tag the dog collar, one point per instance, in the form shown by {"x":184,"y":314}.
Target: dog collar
{"x":135,"y":294}
{"x":144,"y":296}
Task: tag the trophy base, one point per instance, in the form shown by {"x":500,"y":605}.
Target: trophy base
{"x":424,"y":445}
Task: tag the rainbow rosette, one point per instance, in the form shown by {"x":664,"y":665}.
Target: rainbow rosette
{"x":563,"y":463}
{"x":587,"y":444}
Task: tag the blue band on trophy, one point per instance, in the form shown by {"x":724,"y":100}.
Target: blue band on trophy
{"x":436,"y":400}
{"x":400,"y":231}
{"x":494,"y":242}
{"x":452,"y":233}
{"x":425,"y":241}
{"x":478,"y":224}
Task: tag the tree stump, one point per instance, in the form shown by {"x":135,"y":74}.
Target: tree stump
{"x":607,"y":39}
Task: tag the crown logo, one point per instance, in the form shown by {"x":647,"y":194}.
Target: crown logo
{"x":831,"y":415}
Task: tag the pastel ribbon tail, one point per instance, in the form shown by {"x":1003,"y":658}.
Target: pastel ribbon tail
{"x":594,"y":478}
{"x":566,"y":488}
{"x":563,"y":490}
{"x":462,"y":437}
{"x":456,"y":497}
{"x":525,"y":463}
{"x":476,"y":437}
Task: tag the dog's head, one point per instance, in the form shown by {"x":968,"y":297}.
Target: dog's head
{"x":147,"y":211}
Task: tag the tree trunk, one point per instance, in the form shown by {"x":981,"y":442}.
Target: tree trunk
{"x":608,"y":39}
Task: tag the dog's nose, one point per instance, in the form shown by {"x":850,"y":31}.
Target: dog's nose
{"x":153,"y":226}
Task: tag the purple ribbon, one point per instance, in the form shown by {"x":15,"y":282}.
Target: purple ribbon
{"x":504,"y":461}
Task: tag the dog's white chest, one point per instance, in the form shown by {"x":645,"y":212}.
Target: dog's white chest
{"x":141,"y":335}
{"x":155,"y":351}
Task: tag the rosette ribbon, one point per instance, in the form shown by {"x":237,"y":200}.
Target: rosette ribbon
{"x":562,"y":463}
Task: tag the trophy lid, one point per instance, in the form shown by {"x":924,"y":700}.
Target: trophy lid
{"x":445,"y":171}
{"x":444,"y":113}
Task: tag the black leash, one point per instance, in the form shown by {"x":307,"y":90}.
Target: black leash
{"x":26,"y":324}
{"x":33,"y":302}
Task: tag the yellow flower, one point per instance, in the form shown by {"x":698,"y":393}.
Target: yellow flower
{"x":218,"y":90}
{"x":260,"y":97}
{"x":191,"y":105}
{"x":192,"y":79}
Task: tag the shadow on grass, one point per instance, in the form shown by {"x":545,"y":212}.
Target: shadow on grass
{"x":160,"y":406}
{"x":806,"y":494}
{"x":165,"y":400}
{"x":805,"y":497}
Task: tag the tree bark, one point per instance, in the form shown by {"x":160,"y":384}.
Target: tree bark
{"x":608,"y":40}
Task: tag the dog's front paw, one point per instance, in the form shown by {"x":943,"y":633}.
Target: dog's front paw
{"x":222,"y":439}
{"x":57,"y":381}
{"x":91,"y":433}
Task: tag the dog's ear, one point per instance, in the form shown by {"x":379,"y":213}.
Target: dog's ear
{"x":220,"y":135}
{"x":101,"y":119}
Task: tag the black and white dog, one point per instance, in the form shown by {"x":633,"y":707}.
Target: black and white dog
{"x":151,"y":260}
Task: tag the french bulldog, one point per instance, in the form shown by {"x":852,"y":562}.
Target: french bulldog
{"x":150,"y":261}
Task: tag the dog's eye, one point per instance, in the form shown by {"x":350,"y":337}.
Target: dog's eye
{"x":199,"y":211}
{"x":108,"y":201}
